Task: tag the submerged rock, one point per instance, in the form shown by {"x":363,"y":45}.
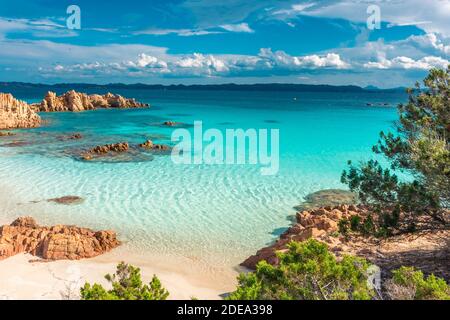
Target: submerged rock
{"x":59,"y":242}
{"x":174,"y":124}
{"x":76,"y":136}
{"x":73,"y":136}
{"x":327,"y":197}
{"x":105,"y":149}
{"x":150,"y":145}
{"x":67,"y":200}
{"x":77,"y":101}
{"x":15,"y":144}
{"x":16,"y":113}
{"x":6,"y":134}
{"x":170,"y":123}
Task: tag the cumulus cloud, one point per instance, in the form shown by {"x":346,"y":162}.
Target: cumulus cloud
{"x":145,"y":61}
{"x":203,"y":64}
{"x":424,"y":63}
{"x":197,"y":64}
{"x":282,"y":59}
{"x":431,"y":41}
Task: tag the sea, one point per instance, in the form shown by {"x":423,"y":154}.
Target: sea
{"x":216,"y":213}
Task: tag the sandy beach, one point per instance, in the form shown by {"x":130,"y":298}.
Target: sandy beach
{"x":21,"y":277}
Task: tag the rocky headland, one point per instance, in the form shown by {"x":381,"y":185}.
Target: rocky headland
{"x":77,"y":101}
{"x":16,"y":113}
{"x":59,"y":242}
{"x":426,"y":249}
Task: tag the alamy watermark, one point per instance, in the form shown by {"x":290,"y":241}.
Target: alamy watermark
{"x":374,"y":18}
{"x":73,"y":22}
{"x":234,"y":147}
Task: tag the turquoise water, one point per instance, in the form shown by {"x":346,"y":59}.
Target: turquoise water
{"x":215,"y":213}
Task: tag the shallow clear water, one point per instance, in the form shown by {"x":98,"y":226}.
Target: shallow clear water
{"x":216,"y":213}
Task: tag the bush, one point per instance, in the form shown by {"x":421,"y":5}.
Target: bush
{"x":307,"y":271}
{"x":365,"y":226}
{"x":408,"y":283}
{"x":355,"y":222}
{"x":343,"y":226}
{"x":126,"y":285}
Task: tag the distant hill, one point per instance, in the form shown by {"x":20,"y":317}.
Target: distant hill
{"x":396,"y":89}
{"x":13,"y":86}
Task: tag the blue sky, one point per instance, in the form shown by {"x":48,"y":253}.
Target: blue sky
{"x":210,"y":41}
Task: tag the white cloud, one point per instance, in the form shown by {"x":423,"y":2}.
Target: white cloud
{"x":240,"y":27}
{"x":431,"y":41}
{"x":414,"y":53}
{"x":203,"y":64}
{"x":145,"y":61}
{"x":280,"y":58}
{"x":402,"y":62}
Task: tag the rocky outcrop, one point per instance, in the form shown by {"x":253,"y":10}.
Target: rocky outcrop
{"x":153,"y":146}
{"x":77,"y":101}
{"x":59,"y":242}
{"x":427,"y":249}
{"x":105,"y":149}
{"x":114,"y":147}
{"x":16,"y":113}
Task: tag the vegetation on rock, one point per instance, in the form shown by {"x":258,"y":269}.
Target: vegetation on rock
{"x":419,"y":148}
{"x":307,"y":271}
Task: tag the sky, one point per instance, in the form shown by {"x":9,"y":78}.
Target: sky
{"x":383,"y":43}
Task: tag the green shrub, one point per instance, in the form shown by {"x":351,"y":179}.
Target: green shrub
{"x":409,"y":283}
{"x":355,"y":222}
{"x":343,"y":226}
{"x":368,"y":226}
{"x":307,"y":271}
{"x":126,"y":285}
